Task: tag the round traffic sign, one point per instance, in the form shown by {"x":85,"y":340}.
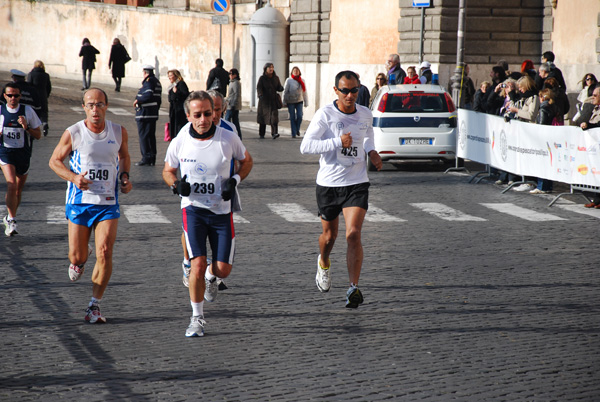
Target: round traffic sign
{"x":221,"y":6}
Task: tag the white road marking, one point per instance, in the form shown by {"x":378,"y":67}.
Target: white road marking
{"x":446,"y":213}
{"x":119,"y":111}
{"x":580,"y":209}
{"x":163,"y":113}
{"x":523,"y":213}
{"x":293,"y":212}
{"x":143,"y":214}
{"x":77,"y":109}
{"x":56,"y":215}
{"x":239,"y":219}
{"x":375,"y":214}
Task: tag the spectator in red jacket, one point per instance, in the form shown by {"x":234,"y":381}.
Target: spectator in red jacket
{"x":411,"y":76}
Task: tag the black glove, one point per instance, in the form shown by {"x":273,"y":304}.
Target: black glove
{"x":182,"y":187}
{"x":229,"y":189}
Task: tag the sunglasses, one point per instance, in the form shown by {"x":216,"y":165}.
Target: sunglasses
{"x":347,"y":91}
{"x":588,"y":78}
{"x":13,"y":95}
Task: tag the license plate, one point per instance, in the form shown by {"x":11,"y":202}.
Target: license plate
{"x":416,"y":141}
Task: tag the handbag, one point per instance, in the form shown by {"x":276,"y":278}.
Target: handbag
{"x":167,"y":132}
{"x":127,"y":58}
{"x":278,"y":101}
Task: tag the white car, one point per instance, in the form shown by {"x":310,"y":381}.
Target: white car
{"x":414,"y":122}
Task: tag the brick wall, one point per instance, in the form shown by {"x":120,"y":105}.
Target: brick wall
{"x":309,"y":31}
{"x":513,"y":30}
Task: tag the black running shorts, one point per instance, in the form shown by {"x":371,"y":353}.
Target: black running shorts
{"x":332,"y":200}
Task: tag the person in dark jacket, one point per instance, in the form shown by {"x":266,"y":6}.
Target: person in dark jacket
{"x":218,"y":78}
{"x":147,"y":104}
{"x":116,"y":62}
{"x":29,"y":94}
{"x":88,"y":63}
{"x":546,"y":115}
{"x":560,"y":101}
{"x":393,"y":67}
{"x":178,"y":93}
{"x":39,"y":78}
{"x":268,"y":101}
{"x":478,"y":101}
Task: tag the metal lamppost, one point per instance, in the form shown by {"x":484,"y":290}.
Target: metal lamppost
{"x":457,"y":78}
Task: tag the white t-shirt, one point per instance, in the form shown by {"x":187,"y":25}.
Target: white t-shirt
{"x":207,"y":164}
{"x":339,"y":167}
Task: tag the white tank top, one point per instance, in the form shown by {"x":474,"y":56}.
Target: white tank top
{"x":98,"y":155}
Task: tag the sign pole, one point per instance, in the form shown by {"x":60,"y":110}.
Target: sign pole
{"x":220,"y":38}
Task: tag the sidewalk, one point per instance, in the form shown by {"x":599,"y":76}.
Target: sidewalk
{"x":248,"y":121}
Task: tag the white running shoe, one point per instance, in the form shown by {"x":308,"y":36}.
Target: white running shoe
{"x":211,"y":290}
{"x":196,"y":327}
{"x":323,"y":279}
{"x":186,"y":274}
{"x":538,"y":191}
{"x":524,"y":187}
{"x":76,"y":271}
{"x":10,"y":226}
{"x":93,"y":315}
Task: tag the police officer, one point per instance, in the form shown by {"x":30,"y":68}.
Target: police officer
{"x":147,"y":104}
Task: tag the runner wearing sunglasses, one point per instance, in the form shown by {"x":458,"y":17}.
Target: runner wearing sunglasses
{"x":342,"y":133}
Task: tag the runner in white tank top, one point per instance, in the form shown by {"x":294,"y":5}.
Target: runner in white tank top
{"x":99,"y":163}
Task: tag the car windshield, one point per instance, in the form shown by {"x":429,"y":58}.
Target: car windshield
{"x":413,"y":102}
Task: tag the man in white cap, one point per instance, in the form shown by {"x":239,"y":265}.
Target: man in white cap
{"x":147,"y":104}
{"x":425,"y":73}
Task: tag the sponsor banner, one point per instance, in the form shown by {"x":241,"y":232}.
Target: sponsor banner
{"x":562,"y":153}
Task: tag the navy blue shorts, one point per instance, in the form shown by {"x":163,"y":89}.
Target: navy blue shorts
{"x":89,"y":214}
{"x":332,"y":200}
{"x":20,"y":160}
{"x":200,"y":224}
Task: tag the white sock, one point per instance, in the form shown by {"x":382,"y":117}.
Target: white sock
{"x":198,"y":308}
{"x":186,"y":262}
{"x":208,"y":275}
{"x":94,"y":301}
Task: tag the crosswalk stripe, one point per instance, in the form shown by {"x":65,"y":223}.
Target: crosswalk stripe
{"x":293,"y":212}
{"x":56,"y":215}
{"x":523,"y":213}
{"x":239,"y":219}
{"x":375,"y":214}
{"x":445,"y":212}
{"x":580,"y":209}
{"x":143,"y":214}
{"x":119,"y":111}
{"x":77,"y":109}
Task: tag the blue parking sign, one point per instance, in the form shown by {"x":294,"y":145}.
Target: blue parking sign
{"x":421,"y":3}
{"x":220,"y":6}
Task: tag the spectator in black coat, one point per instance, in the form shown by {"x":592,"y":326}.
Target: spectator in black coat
{"x":560,"y":100}
{"x":178,"y":93}
{"x":88,"y":63}
{"x":478,"y":100}
{"x":552,"y":71}
{"x":40,"y":80}
{"x":116,"y":62}
{"x":218,"y":78}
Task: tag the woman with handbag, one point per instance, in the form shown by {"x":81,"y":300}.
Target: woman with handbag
{"x":116,"y":62}
{"x":269,"y":101}
{"x":178,"y":93}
